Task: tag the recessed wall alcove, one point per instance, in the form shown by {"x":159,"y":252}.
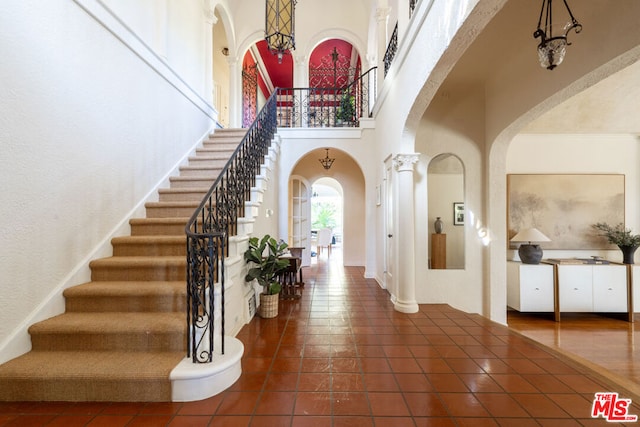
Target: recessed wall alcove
{"x":445,"y":188}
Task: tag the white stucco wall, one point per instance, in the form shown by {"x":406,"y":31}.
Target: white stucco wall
{"x":91,"y":124}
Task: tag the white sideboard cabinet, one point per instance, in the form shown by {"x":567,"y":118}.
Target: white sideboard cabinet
{"x":530,"y":287}
{"x":593,"y":288}
{"x":569,"y":288}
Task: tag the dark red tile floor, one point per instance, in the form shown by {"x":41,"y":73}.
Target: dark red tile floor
{"x":341,"y":356}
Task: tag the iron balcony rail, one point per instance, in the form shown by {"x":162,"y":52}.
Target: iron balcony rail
{"x":328,"y":107}
{"x":392,"y":48}
{"x":216,"y":218}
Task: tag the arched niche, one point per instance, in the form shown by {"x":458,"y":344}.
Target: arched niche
{"x":445,"y":189}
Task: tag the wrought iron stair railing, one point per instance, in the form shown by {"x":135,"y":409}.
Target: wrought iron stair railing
{"x":208,"y":232}
{"x":216,"y":218}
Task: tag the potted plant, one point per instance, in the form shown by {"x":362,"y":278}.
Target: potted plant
{"x":620,"y":236}
{"x":265,"y":257}
{"x":347,"y":109}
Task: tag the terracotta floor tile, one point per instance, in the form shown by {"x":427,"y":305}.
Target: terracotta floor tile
{"x":313,"y":403}
{"x":238,"y":403}
{"x":351,"y":404}
{"x":540,"y":406}
{"x":404,"y":365}
{"x":353,"y":421}
{"x":186,"y":421}
{"x":310,"y":381}
{"x":463,"y":405}
{"x":513,"y":383}
{"x":388,"y":404}
{"x":271,"y":421}
{"x":425,"y":405}
{"x":435,"y":366}
{"x":282,"y":381}
{"x":341,"y":382}
{"x":408,"y":383}
{"x":375,"y":364}
{"x":501,"y":405}
{"x":341,"y":356}
{"x":447,"y":383}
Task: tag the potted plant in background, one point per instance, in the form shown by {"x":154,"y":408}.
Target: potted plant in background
{"x":621,"y":237}
{"x":347,"y":109}
{"x":265,"y":257}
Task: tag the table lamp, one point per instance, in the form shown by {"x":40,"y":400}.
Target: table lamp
{"x":530,"y":253}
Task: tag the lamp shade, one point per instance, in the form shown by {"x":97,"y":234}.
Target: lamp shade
{"x":530,"y":235}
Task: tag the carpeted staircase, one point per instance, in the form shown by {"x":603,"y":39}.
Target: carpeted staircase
{"x":125,"y":331}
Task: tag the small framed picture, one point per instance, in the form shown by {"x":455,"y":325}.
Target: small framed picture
{"x":458,"y":213}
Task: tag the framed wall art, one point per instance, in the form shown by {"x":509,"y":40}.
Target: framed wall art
{"x":458,"y":213}
{"x":564,"y":206}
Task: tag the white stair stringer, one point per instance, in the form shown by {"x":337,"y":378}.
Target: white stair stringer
{"x":198,"y":381}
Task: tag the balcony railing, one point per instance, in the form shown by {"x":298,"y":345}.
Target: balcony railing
{"x":391,"y":50}
{"x":327,"y":107}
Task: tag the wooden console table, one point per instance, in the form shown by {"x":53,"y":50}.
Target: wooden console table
{"x":438,"y":251}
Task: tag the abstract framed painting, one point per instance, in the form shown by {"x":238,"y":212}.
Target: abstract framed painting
{"x":564,"y":206}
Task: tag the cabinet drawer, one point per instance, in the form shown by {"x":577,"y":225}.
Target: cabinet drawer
{"x":610,"y":289}
{"x":576,"y":290}
{"x":536,"y":295}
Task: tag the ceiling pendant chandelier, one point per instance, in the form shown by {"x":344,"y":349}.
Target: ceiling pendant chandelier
{"x":279,"y":26}
{"x":327,"y":162}
{"x":552,"y":49}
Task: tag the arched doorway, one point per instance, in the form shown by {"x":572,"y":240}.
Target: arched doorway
{"x":344,"y":174}
{"x":327,"y":201}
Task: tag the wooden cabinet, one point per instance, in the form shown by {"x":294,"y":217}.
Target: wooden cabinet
{"x":438,"y":251}
{"x":530,"y":287}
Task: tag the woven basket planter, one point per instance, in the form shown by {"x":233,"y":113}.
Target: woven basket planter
{"x":269,"y":306}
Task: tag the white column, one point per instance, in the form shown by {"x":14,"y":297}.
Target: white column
{"x":405,"y":234}
{"x":382,"y":18}
{"x":235,"y":93}
{"x":209,"y":21}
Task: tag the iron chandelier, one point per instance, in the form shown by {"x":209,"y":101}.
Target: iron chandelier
{"x":279,"y":26}
{"x":552,"y":49}
{"x":327,"y":161}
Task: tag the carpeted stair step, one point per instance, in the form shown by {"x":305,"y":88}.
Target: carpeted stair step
{"x":192,"y":181}
{"x":89,"y":376}
{"x":127,"y":296}
{"x":139,"y":268}
{"x":170,"y":209}
{"x":209,"y":160}
{"x":210,"y":172}
{"x":146,"y":332}
{"x":194,"y":194}
{"x":213,"y":149}
{"x":158,"y":226}
{"x":149,"y":246}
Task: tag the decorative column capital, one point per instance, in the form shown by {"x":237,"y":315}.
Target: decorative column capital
{"x":382,"y":14}
{"x":209,"y":13}
{"x":405,"y":162}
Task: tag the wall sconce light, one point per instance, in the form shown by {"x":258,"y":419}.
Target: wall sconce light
{"x":327,"y":162}
{"x":279,"y":26}
{"x":552,"y":49}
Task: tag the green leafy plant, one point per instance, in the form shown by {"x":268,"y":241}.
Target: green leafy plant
{"x":347,"y":109}
{"x":617,"y":235}
{"x":265,"y":256}
{"x":324,"y":214}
